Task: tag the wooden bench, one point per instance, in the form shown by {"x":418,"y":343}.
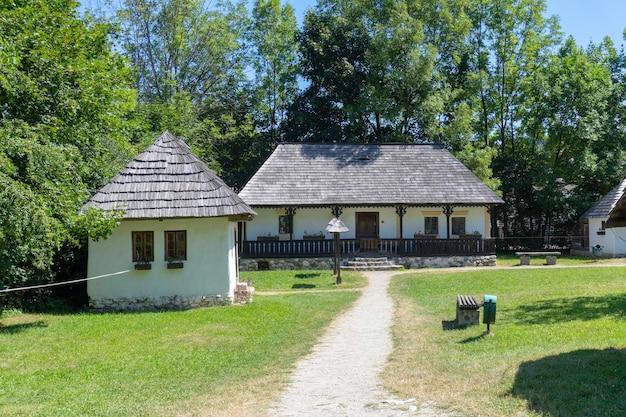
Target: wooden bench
{"x":525,"y":257}
{"x":467,"y":311}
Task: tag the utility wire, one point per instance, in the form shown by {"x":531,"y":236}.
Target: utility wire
{"x":55,"y":284}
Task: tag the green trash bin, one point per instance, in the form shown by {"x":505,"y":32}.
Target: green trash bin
{"x":489,"y":309}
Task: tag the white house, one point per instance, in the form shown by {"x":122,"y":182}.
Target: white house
{"x":603,"y":226}
{"x":396,"y":199}
{"x":177,"y":239}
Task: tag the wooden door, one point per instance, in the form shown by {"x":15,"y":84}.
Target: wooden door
{"x":367,"y":231}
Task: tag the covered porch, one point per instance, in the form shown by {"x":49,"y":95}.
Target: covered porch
{"x":353,"y":247}
{"x":397,"y":230}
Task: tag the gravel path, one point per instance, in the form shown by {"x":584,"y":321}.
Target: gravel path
{"x":341,"y":376}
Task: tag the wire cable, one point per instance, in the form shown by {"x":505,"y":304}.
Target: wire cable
{"x":56,"y":284}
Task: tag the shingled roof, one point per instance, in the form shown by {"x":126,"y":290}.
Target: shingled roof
{"x":360,"y":175}
{"x":603,"y":207}
{"x":168,"y":181}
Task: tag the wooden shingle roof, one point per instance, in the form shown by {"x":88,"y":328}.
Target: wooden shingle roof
{"x":385,"y":174}
{"x":168,"y":181}
{"x":604,"y":207}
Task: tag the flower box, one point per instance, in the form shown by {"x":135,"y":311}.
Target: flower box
{"x":471,"y":236}
{"x":143,"y":267}
{"x":175,"y":265}
{"x":314,"y":237}
{"x":425,"y":236}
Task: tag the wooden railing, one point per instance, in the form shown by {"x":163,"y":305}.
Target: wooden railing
{"x":395,"y":247}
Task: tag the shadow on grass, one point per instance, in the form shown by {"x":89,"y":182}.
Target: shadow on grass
{"x":309,"y":275}
{"x":21,"y":327}
{"x":568,"y":309}
{"x":303,"y":286}
{"x":579,"y":383}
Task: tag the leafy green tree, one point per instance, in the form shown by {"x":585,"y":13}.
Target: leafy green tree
{"x":275,"y":59}
{"x":66,"y":98}
{"x":182,"y":46}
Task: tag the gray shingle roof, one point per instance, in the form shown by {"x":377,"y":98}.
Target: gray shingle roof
{"x":386,"y":174}
{"x":603,"y":207}
{"x":168,"y":181}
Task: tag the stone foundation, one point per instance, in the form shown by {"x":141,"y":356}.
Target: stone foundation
{"x":415,"y":262}
{"x":285,"y":264}
{"x":243,"y":292}
{"x":409,"y":262}
{"x":155,"y":304}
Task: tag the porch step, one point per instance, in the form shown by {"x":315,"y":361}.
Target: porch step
{"x":370,"y":264}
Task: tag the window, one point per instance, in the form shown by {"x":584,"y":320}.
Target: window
{"x":176,"y":245}
{"x":143,"y":246}
{"x":431,"y":225}
{"x":458,"y":225}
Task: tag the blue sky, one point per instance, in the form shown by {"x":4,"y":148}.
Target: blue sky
{"x":591,"y":20}
{"x":586,"y":20}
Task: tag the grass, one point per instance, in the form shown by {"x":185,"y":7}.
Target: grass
{"x":278,"y":281}
{"x":510,"y":259}
{"x":557,"y":347}
{"x":207,"y":362}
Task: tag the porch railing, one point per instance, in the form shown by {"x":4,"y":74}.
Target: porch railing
{"x":394,"y":247}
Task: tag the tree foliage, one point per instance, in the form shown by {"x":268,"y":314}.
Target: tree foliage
{"x":65,"y":99}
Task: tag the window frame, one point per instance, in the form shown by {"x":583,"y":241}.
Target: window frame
{"x":428,"y":228}
{"x":140,"y":255}
{"x":462,"y":230}
{"x":177,"y":245}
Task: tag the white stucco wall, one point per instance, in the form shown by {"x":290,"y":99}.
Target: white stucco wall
{"x":613,"y":241}
{"x":316,"y":219}
{"x":210,"y":268}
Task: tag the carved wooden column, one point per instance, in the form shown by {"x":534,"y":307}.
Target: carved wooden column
{"x":401,"y":211}
{"x":448,"y":210}
{"x":290,"y":212}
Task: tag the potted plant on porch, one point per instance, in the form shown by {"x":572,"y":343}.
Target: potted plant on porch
{"x":315,"y":236}
{"x":267,"y":238}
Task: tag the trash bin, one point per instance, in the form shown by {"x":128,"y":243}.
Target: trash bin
{"x":489,"y":309}
{"x":597,"y":251}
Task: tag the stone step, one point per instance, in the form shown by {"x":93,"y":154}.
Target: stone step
{"x":370,"y":264}
{"x":389,"y":267}
{"x":376,"y":259}
{"x":364,"y":263}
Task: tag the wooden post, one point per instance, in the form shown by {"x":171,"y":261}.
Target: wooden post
{"x":338,"y":257}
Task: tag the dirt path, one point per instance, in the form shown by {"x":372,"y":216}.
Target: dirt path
{"x":341,"y":376}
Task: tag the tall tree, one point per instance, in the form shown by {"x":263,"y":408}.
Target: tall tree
{"x":64,"y":124}
{"x":275,"y":60}
{"x":179,"y":46}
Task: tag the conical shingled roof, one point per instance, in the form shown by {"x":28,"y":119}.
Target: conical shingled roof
{"x":168,"y":181}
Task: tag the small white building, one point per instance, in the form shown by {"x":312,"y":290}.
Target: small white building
{"x":178,"y":237}
{"x":603,"y":226}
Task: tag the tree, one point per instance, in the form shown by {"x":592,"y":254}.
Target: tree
{"x":273,"y":38}
{"x":179,"y":46}
{"x":66,"y":99}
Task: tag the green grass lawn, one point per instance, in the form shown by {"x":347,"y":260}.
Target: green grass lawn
{"x":212,"y":361}
{"x":267,"y":281}
{"x":510,"y":259}
{"x":557,"y":347}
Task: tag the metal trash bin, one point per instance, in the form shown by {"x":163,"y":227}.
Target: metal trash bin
{"x":597,"y":251}
{"x":489,"y":309}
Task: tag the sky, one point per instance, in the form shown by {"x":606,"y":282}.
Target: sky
{"x":586,"y":20}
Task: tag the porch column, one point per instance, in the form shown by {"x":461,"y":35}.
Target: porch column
{"x":448,"y":210}
{"x":401,"y":211}
{"x":290,"y":212}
